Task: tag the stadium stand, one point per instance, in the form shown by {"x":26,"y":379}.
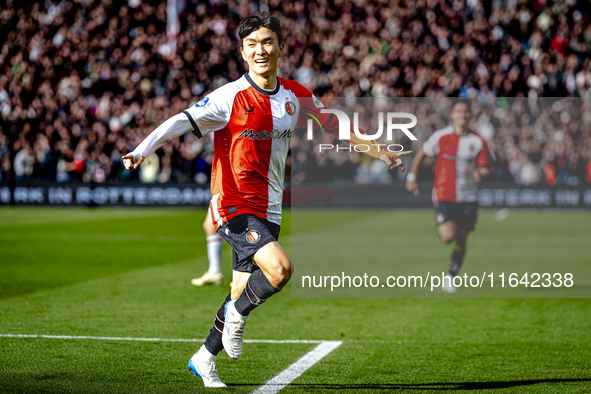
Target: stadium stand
{"x":82,"y":82}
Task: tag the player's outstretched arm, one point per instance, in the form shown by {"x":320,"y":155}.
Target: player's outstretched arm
{"x":411,"y":180}
{"x":163,"y":134}
{"x":391,"y":158}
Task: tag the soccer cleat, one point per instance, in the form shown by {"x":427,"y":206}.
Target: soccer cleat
{"x":206,"y":370}
{"x":207,"y":278}
{"x":233,"y":331}
{"x":449,"y":287}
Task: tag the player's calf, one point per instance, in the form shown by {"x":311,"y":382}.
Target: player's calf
{"x":457,"y":257}
{"x":280,"y":274}
{"x":213,"y":343}
{"x":258,"y":289}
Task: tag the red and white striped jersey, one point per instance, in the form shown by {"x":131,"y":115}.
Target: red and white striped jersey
{"x":253,"y":129}
{"x":457,"y":157}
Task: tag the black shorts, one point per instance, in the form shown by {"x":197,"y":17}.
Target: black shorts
{"x":247,"y":234}
{"x":463,"y":213}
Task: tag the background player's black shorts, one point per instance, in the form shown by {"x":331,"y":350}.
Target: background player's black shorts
{"x":463,"y":213}
{"x":247,"y":234}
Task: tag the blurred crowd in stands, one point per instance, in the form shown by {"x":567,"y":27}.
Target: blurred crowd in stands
{"x":535,"y":140}
{"x":83,"y":81}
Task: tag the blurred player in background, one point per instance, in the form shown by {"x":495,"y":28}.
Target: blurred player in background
{"x":253,"y":118}
{"x":462,"y":159}
{"x":215,"y":247}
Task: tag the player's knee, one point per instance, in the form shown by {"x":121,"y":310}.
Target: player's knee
{"x":446,"y":238}
{"x":288,"y":270}
{"x":282,"y":273}
{"x":447,"y":231}
{"x":285,"y":270}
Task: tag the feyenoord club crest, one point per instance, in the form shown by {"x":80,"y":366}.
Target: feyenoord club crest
{"x":290,"y":107}
{"x":253,"y":236}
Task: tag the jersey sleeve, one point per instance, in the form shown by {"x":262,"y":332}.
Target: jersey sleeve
{"x":485,"y":157}
{"x":172,"y":128}
{"x":431,"y":146}
{"x":212,"y":112}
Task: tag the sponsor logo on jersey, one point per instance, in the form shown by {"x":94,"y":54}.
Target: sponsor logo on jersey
{"x":253,"y":236}
{"x":317,"y":102}
{"x":248,"y":111}
{"x":290,"y":107}
{"x":203,"y":102}
{"x":265,"y":135}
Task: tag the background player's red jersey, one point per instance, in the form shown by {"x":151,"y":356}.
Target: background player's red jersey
{"x":457,"y":159}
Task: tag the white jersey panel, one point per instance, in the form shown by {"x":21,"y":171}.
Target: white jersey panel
{"x":469,"y":146}
{"x":285,"y":109}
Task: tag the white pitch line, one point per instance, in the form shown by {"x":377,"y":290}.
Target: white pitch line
{"x":99,"y":338}
{"x":279,"y":341}
{"x":299,"y":367}
{"x":271,"y":387}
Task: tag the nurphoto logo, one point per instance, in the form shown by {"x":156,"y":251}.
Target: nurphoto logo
{"x":345,"y":130}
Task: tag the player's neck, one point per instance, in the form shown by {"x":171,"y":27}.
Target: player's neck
{"x":267,"y":83}
{"x":461,"y":130}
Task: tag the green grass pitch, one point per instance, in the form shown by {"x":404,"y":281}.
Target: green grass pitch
{"x":126,"y":273}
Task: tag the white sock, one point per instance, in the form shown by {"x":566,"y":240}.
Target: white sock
{"x":204,"y":355}
{"x":215,"y":246}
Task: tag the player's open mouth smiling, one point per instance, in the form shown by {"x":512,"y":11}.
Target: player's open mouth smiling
{"x":262,"y":61}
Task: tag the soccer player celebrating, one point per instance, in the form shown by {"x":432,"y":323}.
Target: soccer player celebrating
{"x":253,"y":118}
{"x":462,"y":159}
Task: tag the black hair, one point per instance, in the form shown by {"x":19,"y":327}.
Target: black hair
{"x":463,"y":101}
{"x":255,"y":22}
